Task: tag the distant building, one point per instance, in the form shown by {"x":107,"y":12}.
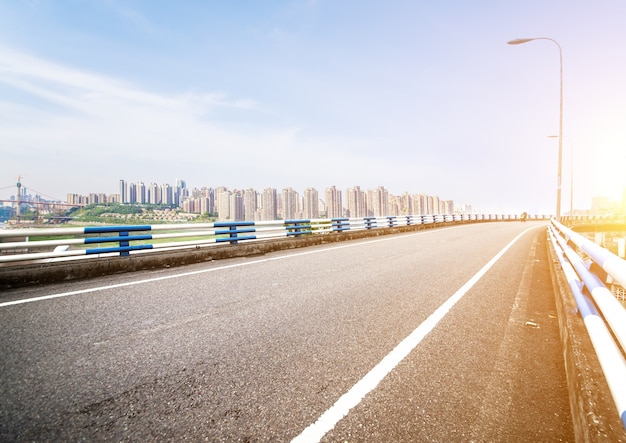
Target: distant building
{"x":269,"y":209}
{"x":334,"y":207}
{"x":269,"y":205}
{"x":250,"y":204}
{"x":600,"y":205}
{"x":356,"y":202}
{"x":237,"y":206}
{"x":378,"y":202}
{"x":141,"y":194}
{"x":311,"y":204}
{"x":290,"y":204}
{"x":154,"y":194}
{"x":167,"y":194}
{"x":447,"y":207}
{"x":123,"y":192}
{"x":223,"y":203}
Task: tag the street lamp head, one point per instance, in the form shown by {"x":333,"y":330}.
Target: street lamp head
{"x":519,"y":41}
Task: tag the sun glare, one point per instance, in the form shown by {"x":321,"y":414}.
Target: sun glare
{"x":610,"y":171}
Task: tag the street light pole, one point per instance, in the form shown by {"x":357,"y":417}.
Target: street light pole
{"x":571,"y":173}
{"x":519,"y":41}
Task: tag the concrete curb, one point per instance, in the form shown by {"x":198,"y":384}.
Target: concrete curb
{"x":594,"y":413}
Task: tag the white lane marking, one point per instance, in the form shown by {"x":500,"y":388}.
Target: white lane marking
{"x":328,"y":420}
{"x":220,"y":268}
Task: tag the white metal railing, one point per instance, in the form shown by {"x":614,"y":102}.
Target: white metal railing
{"x":603,"y":315}
{"x":18,"y":246}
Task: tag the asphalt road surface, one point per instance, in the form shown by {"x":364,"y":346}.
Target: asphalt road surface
{"x":446,"y":335}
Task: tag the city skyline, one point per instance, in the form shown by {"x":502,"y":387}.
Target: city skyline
{"x":269,"y":204}
{"x":599,"y":204}
{"x":133,"y":193}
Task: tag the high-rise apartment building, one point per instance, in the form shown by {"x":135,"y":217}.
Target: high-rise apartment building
{"x":123,"y":192}
{"x":405,"y":203}
{"x":269,"y":209}
{"x":436,"y":205}
{"x":154,"y":194}
{"x":219,"y":193}
{"x":180,"y":192}
{"x":419,"y":204}
{"x":250,"y":204}
{"x":223,"y":204}
{"x":311,"y":204}
{"x":393,"y":205}
{"x":377,"y":201}
{"x":167,"y":194}
{"x":430,"y":209}
{"x":132,"y":192}
{"x":356,"y":202}
{"x":334,"y":206}
{"x":236,"y":206}
{"x":209,"y":194}
{"x":140,"y":189}
{"x":290,"y":203}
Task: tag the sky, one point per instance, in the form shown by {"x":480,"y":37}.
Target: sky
{"x":414,"y":95}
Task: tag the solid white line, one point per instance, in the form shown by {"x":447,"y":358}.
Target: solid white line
{"x":353,"y":397}
{"x":220,"y":268}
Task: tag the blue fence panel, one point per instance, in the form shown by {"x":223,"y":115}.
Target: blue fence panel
{"x":298,"y":228}
{"x":124,"y":238}
{"x":233,"y":231}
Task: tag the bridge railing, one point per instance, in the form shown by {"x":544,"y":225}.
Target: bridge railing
{"x":54,"y":244}
{"x":586,"y":265}
{"x":593,"y":219}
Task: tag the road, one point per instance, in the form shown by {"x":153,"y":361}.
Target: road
{"x":439,"y":335}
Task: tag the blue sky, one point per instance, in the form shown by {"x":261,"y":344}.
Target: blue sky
{"x":416,"y":96}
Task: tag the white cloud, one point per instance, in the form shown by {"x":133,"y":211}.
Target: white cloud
{"x":121,"y":131}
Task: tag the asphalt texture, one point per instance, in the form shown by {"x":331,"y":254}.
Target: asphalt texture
{"x":258,"y":348}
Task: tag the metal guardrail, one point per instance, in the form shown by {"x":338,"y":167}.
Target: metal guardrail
{"x":593,"y":219}
{"x":595,"y":223}
{"x":603,"y":315}
{"x":22,"y":245}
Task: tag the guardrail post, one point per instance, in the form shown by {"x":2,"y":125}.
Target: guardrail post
{"x":298,"y":228}
{"x":340,"y":224}
{"x":124,"y":243}
{"x":370,"y":222}
{"x":233,"y":234}
{"x":391,"y":221}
